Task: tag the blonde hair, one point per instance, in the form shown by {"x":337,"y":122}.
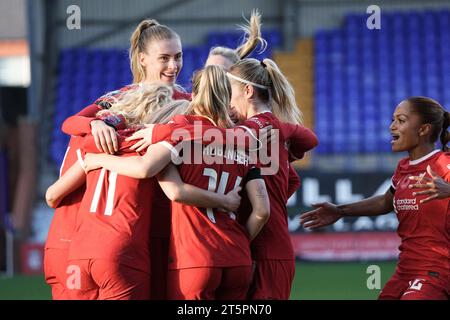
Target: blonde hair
{"x":147,"y":31}
{"x":137,"y":104}
{"x":279,"y":92}
{"x":168,"y":111}
{"x":251,"y":39}
{"x":213,"y":94}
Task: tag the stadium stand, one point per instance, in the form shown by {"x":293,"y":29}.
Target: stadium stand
{"x":361,"y":74}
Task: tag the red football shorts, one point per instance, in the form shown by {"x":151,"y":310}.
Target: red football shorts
{"x":272,"y":280}
{"x":230,"y":283}
{"x":415,"y":287}
{"x":103,"y":279}
{"x":55,"y":267}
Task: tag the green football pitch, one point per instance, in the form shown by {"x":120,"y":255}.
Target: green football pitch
{"x":321,"y":281}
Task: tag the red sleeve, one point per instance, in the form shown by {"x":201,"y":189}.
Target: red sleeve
{"x":162,"y":132}
{"x":294,"y":181}
{"x":301,"y":140}
{"x":80,"y":124}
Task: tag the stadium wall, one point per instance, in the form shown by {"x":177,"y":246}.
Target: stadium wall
{"x":192,"y":19}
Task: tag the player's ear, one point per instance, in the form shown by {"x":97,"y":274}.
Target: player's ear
{"x":142,"y":59}
{"x":425,"y":129}
{"x":249,"y":91}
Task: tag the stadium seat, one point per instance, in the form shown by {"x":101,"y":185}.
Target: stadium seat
{"x":410,"y":55}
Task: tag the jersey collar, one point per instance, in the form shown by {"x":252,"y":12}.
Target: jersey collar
{"x":425,"y":157}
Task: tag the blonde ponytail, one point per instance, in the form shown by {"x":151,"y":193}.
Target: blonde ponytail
{"x":252,"y":37}
{"x":285,"y":106}
{"x":147,"y":31}
{"x":212,"y":98}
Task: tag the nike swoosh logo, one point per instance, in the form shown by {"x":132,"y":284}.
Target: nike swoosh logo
{"x":407,"y":292}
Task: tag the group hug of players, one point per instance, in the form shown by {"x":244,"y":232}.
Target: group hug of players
{"x":150,"y":206}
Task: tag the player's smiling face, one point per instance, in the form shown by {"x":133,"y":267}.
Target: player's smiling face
{"x":405,"y":128}
{"x":162,"y":61}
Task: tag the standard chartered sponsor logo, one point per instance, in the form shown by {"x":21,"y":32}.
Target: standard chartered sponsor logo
{"x":406,"y":204}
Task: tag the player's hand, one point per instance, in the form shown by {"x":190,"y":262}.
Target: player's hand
{"x":105,"y":137}
{"x":325,"y":214}
{"x":435,"y":186}
{"x":232,"y":201}
{"x":144,"y":136}
{"x":92,"y":161}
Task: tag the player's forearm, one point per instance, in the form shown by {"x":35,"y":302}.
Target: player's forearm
{"x":258,"y":218}
{"x":134,"y":167}
{"x":259,"y":199}
{"x":69,"y":182}
{"x":139,"y":167}
{"x":178,"y":191}
{"x":372,"y":206}
{"x":194,"y":196}
{"x":77,"y":125}
{"x":80,"y":123}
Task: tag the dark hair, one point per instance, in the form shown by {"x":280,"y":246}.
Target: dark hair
{"x":433,"y":113}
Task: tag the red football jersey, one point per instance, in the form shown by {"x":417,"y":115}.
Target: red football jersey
{"x":424,"y":228}
{"x":274,"y":241}
{"x":114,"y":215}
{"x":64,"y":219}
{"x":204,"y":237}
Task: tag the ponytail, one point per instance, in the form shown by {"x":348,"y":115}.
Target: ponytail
{"x":147,"y":31}
{"x":252,"y":37}
{"x":213,"y":94}
{"x":285,"y":106}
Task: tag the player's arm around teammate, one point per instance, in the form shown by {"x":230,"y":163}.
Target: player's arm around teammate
{"x":157,"y":157}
